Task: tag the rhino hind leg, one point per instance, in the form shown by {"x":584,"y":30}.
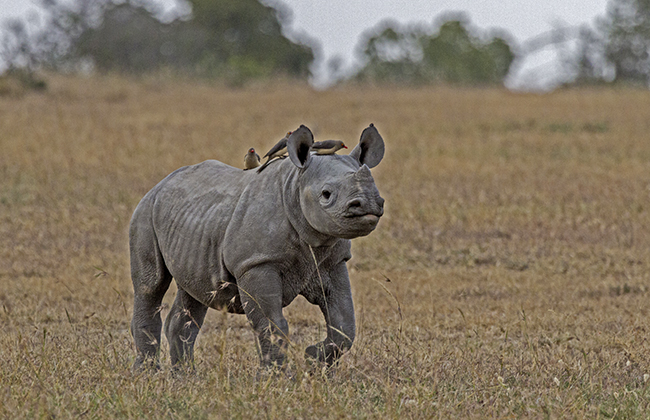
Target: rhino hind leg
{"x":151,"y":279}
{"x":182,"y":327}
{"x":146,"y":324}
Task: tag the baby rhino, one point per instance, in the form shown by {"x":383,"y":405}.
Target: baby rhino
{"x":249,"y":243}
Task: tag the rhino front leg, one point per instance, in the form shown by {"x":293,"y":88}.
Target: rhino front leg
{"x":182,"y":326}
{"x":261,"y":295}
{"x":338,"y":310}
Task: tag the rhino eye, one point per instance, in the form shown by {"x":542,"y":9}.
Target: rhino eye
{"x":326,"y":194}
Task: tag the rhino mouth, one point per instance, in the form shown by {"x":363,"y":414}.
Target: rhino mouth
{"x":366,"y":217}
{"x":359,"y":224}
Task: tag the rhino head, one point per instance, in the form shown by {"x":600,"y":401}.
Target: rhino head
{"x":338,"y":196}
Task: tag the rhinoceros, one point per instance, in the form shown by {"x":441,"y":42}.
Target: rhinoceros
{"x":250,"y":243}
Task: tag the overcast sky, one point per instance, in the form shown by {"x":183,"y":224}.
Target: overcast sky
{"x":337,"y":24}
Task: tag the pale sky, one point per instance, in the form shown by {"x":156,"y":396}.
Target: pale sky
{"x":337,"y":24}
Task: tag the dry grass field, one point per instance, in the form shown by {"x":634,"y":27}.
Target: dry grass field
{"x":516,"y":240}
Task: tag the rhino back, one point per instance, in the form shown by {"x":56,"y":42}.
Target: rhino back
{"x":190,"y":210}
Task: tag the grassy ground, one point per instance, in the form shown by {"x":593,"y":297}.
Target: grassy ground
{"x":515,"y":239}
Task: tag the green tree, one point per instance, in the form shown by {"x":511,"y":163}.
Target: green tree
{"x":627,"y":40}
{"x":232,"y":39}
{"x":393,"y":55}
{"x":615,"y":50}
{"x":452,"y":54}
{"x":246,"y":36}
{"x":131,"y":39}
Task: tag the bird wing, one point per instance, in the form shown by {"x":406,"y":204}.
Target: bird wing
{"x":325,"y":144}
{"x":279,"y":146}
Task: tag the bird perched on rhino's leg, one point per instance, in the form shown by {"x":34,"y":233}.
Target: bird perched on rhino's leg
{"x":277,"y":151}
{"x":251,"y":160}
{"x":328,"y":147}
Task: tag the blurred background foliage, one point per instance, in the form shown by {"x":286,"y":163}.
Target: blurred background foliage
{"x":450,"y":52}
{"x":242,"y":40}
{"x":236,"y":40}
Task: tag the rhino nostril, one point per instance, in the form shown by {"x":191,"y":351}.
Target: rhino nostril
{"x":381,"y":201}
{"x":355,"y":203}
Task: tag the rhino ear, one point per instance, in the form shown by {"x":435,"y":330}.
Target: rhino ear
{"x":370,"y":150}
{"x":298,"y":146}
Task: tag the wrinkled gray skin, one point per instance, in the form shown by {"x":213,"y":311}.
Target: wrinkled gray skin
{"x":240,"y":241}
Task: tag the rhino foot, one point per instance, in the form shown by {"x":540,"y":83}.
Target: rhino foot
{"x":271,"y":372}
{"x":322,"y":352}
{"x":145,"y":364}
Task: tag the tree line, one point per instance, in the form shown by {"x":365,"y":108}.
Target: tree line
{"x":233,"y":39}
{"x":241,"y":40}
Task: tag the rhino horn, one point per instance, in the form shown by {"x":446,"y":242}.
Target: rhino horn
{"x":363,"y":173}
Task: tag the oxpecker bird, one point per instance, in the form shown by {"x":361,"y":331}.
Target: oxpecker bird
{"x":328,"y":147}
{"x":251,"y":160}
{"x":277,"y":151}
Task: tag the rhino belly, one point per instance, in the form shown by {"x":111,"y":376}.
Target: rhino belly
{"x":191,"y":246}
